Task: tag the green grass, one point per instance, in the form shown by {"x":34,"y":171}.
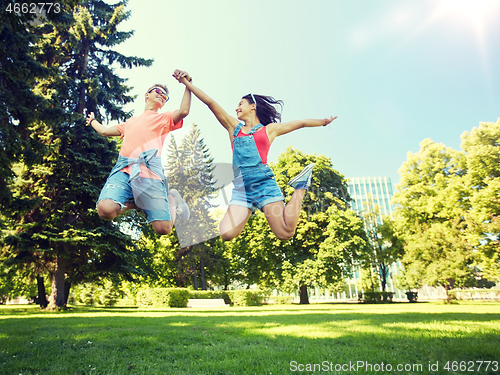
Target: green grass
{"x":260,"y":340}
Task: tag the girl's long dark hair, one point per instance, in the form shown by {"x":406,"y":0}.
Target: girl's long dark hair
{"x":266,"y":108}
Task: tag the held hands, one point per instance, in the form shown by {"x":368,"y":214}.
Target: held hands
{"x":328,"y":120}
{"x":90,"y":118}
{"x":180,"y":75}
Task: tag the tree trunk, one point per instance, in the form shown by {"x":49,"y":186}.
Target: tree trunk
{"x":83,"y":72}
{"x":383,"y":275}
{"x":202,"y":270}
{"x":42,"y":298}
{"x":304,"y":297}
{"x":195,"y":279}
{"x":67,"y":287}
{"x":57,"y":297}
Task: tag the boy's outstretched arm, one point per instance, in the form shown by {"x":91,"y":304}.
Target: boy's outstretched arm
{"x":101,"y":129}
{"x":183,"y":110}
{"x":224,"y":118}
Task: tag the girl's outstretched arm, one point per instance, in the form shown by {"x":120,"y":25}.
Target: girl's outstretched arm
{"x":276,"y":129}
{"x":224,"y":118}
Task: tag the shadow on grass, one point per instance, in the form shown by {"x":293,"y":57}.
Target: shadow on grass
{"x":241,"y":341}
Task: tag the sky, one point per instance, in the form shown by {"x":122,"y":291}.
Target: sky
{"x":395,"y":72}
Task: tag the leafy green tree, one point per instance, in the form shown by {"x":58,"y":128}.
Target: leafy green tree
{"x":482,"y":149}
{"x":439,"y":255}
{"x":327,"y":241}
{"x":432,"y":204}
{"x":61,"y":228}
{"x":386,"y":246}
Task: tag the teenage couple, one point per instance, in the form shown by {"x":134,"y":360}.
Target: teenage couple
{"x":138,"y":179}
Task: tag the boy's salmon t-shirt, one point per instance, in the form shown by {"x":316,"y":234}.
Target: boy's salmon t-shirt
{"x":145,"y":132}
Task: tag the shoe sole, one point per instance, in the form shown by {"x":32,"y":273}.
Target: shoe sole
{"x":184,"y":214}
{"x":306,"y":169}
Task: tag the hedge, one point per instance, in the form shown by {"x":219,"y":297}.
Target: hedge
{"x":376,"y":297}
{"x":238,"y":297}
{"x":178,"y":297}
{"x":245,"y":297}
{"x":162,"y":297}
{"x":475,"y":294}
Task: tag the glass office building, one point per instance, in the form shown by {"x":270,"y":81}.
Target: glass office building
{"x":376,"y":189}
{"x":379,"y":191}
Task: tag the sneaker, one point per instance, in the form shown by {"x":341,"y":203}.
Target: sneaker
{"x":182,"y":208}
{"x":303,"y":179}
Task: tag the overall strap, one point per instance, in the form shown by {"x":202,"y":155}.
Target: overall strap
{"x":255,"y":128}
{"x":237,"y":129}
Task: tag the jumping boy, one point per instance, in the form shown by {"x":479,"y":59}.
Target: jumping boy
{"x":138,"y":178}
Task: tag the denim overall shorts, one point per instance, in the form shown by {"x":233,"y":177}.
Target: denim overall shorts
{"x":254,"y":182}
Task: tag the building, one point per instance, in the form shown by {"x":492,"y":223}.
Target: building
{"x":376,"y":189}
{"x":368,"y":192}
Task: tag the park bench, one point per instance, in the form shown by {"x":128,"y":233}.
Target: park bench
{"x":203,"y":302}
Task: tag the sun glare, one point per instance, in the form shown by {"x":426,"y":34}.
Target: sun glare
{"x":476,"y":12}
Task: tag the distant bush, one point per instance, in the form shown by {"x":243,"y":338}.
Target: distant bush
{"x":109,"y":294}
{"x":376,"y":297}
{"x":281,"y":300}
{"x":86,"y":294}
{"x":412,"y":296}
{"x":474,"y":294}
{"x":162,"y":297}
{"x":246,"y":297}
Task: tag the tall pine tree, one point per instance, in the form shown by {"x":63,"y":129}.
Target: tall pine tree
{"x":189,"y":170}
{"x":61,"y":227}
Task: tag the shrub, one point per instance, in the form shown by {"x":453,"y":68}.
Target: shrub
{"x":162,"y":297}
{"x":412,"y":296}
{"x":281,"y":300}
{"x":109,"y":294}
{"x":387,"y":296}
{"x":375,"y":297}
{"x":245,"y":297}
{"x":372,"y":297}
{"x":86,"y":295}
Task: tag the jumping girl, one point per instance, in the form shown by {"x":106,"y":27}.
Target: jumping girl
{"x":251,"y":134}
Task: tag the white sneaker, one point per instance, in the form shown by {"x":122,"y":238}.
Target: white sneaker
{"x":182,"y":208}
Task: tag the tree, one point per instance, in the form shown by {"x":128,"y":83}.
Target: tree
{"x":439,"y":255}
{"x":386,"y":246}
{"x":482,"y":149}
{"x":189,"y":170}
{"x":19,"y":72}
{"x":325,"y":245}
{"x":432,"y":214}
{"x":60,"y":228}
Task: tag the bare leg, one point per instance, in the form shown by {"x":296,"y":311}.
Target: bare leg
{"x":283,"y":220}
{"x":233,"y":222}
{"x":109,"y":209}
{"x":163,"y":226}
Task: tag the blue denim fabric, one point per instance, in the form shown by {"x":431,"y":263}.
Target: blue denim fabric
{"x":151,"y":195}
{"x":254,"y":182}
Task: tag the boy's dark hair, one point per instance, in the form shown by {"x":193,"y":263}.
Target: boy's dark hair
{"x":266,"y":110}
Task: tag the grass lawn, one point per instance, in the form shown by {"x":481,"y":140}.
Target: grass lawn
{"x":283,"y":339}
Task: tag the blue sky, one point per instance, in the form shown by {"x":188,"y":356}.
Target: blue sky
{"x":394,"y":71}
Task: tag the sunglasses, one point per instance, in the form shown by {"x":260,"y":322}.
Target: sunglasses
{"x":161,"y":93}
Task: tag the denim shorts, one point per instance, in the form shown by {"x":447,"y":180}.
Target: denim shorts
{"x":254,"y":187}
{"x":119,"y":190}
